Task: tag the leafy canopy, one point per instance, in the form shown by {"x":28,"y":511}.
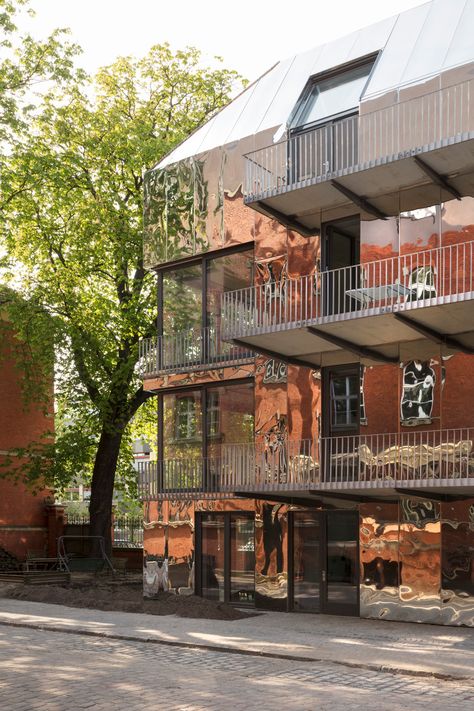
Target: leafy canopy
{"x":71,"y":224}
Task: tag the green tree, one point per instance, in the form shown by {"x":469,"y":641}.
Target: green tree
{"x":72,"y":228}
{"x":27,"y":64}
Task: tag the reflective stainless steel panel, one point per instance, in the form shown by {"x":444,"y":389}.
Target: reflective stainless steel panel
{"x":420,"y":560}
{"x":457,"y":586}
{"x":379,"y":559}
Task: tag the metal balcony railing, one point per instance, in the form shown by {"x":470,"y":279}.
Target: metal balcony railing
{"x":302,"y":159}
{"x":413,"y":125}
{"x":196,"y":349}
{"x":376,"y":461}
{"x":403,"y":459}
{"x":410,"y":281}
{"x":234,"y":468}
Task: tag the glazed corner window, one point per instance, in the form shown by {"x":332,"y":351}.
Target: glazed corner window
{"x":344,"y":390}
{"x":333,"y":96}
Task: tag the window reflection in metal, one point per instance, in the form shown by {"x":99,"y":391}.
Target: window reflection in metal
{"x":344,"y":397}
{"x":416,"y":405}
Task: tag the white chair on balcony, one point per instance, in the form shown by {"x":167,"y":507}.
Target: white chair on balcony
{"x":421,"y":284}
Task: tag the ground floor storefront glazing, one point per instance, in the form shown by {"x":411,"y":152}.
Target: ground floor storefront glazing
{"x":409,"y":559}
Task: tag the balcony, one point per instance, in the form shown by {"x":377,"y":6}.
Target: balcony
{"x":430,"y":463}
{"x":196,"y":349}
{"x":235,"y":468}
{"x":391,"y":310}
{"x":396,"y":158}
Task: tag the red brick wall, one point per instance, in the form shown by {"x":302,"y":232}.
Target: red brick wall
{"x":23,"y":518}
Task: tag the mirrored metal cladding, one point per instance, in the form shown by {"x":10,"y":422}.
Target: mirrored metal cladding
{"x":379,"y":559}
{"x":416,"y":44}
{"x":457,"y":563}
{"x":168,"y":547}
{"x":417,"y":561}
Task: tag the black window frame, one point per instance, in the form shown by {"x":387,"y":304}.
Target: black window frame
{"x":195,"y":260}
{"x":330,"y":430}
{"x":207,"y":439}
{"x":369,"y":59}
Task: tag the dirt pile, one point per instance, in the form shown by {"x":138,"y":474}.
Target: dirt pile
{"x":123,"y":597}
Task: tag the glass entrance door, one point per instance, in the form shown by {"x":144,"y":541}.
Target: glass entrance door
{"x":325,"y":562}
{"x":341,"y":573}
{"x":225,"y":556}
{"x":307,"y":561}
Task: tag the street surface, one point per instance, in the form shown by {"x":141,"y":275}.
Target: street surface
{"x":58,"y":671}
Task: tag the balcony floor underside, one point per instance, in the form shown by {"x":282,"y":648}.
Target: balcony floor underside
{"x":396,"y":333}
{"x":387,"y":488}
{"x":392,"y":184}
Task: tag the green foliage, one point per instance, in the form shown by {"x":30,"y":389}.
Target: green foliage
{"x":27,"y":65}
{"x":71,"y":227}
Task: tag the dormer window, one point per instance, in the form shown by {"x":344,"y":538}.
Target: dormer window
{"x":330,"y":96}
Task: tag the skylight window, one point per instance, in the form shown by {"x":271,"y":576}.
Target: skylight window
{"x":333,"y":97}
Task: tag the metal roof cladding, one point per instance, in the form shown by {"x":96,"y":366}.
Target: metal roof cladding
{"x":414,"y":45}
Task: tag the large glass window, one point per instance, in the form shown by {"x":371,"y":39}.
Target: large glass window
{"x":182,"y":425}
{"x":229,"y":415}
{"x":227,"y":273}
{"x":182,"y":299}
{"x":226,"y":410}
{"x":193,"y":292}
{"x":331,"y":97}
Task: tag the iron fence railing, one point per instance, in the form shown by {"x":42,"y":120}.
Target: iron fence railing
{"x":409,"y":458}
{"x":195,"y":349}
{"x":127,"y":531}
{"x":405,"y":282}
{"x":402,"y":128}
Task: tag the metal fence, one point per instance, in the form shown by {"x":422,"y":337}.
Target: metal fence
{"x":409,"y":458}
{"x":424,"y":278}
{"x":407,"y":126}
{"x":127,"y":531}
{"x":195,"y":349}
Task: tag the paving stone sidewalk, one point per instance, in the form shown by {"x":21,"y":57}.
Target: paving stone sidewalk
{"x":371,"y":644}
{"x":55,"y":671}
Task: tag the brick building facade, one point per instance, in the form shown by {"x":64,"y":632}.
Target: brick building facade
{"x":26,"y":519}
{"x":314,"y":361}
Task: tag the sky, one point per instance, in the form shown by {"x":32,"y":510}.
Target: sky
{"x":250,"y":35}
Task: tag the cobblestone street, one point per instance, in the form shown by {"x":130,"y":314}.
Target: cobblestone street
{"x":57,"y":671}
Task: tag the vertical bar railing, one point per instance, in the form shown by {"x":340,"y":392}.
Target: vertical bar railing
{"x":394,"y":458}
{"x":377,"y":460}
{"x":408,"y":281}
{"x":196,"y":348}
{"x":424,"y":120}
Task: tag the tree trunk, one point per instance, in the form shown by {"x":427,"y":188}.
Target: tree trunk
{"x":102,"y":487}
